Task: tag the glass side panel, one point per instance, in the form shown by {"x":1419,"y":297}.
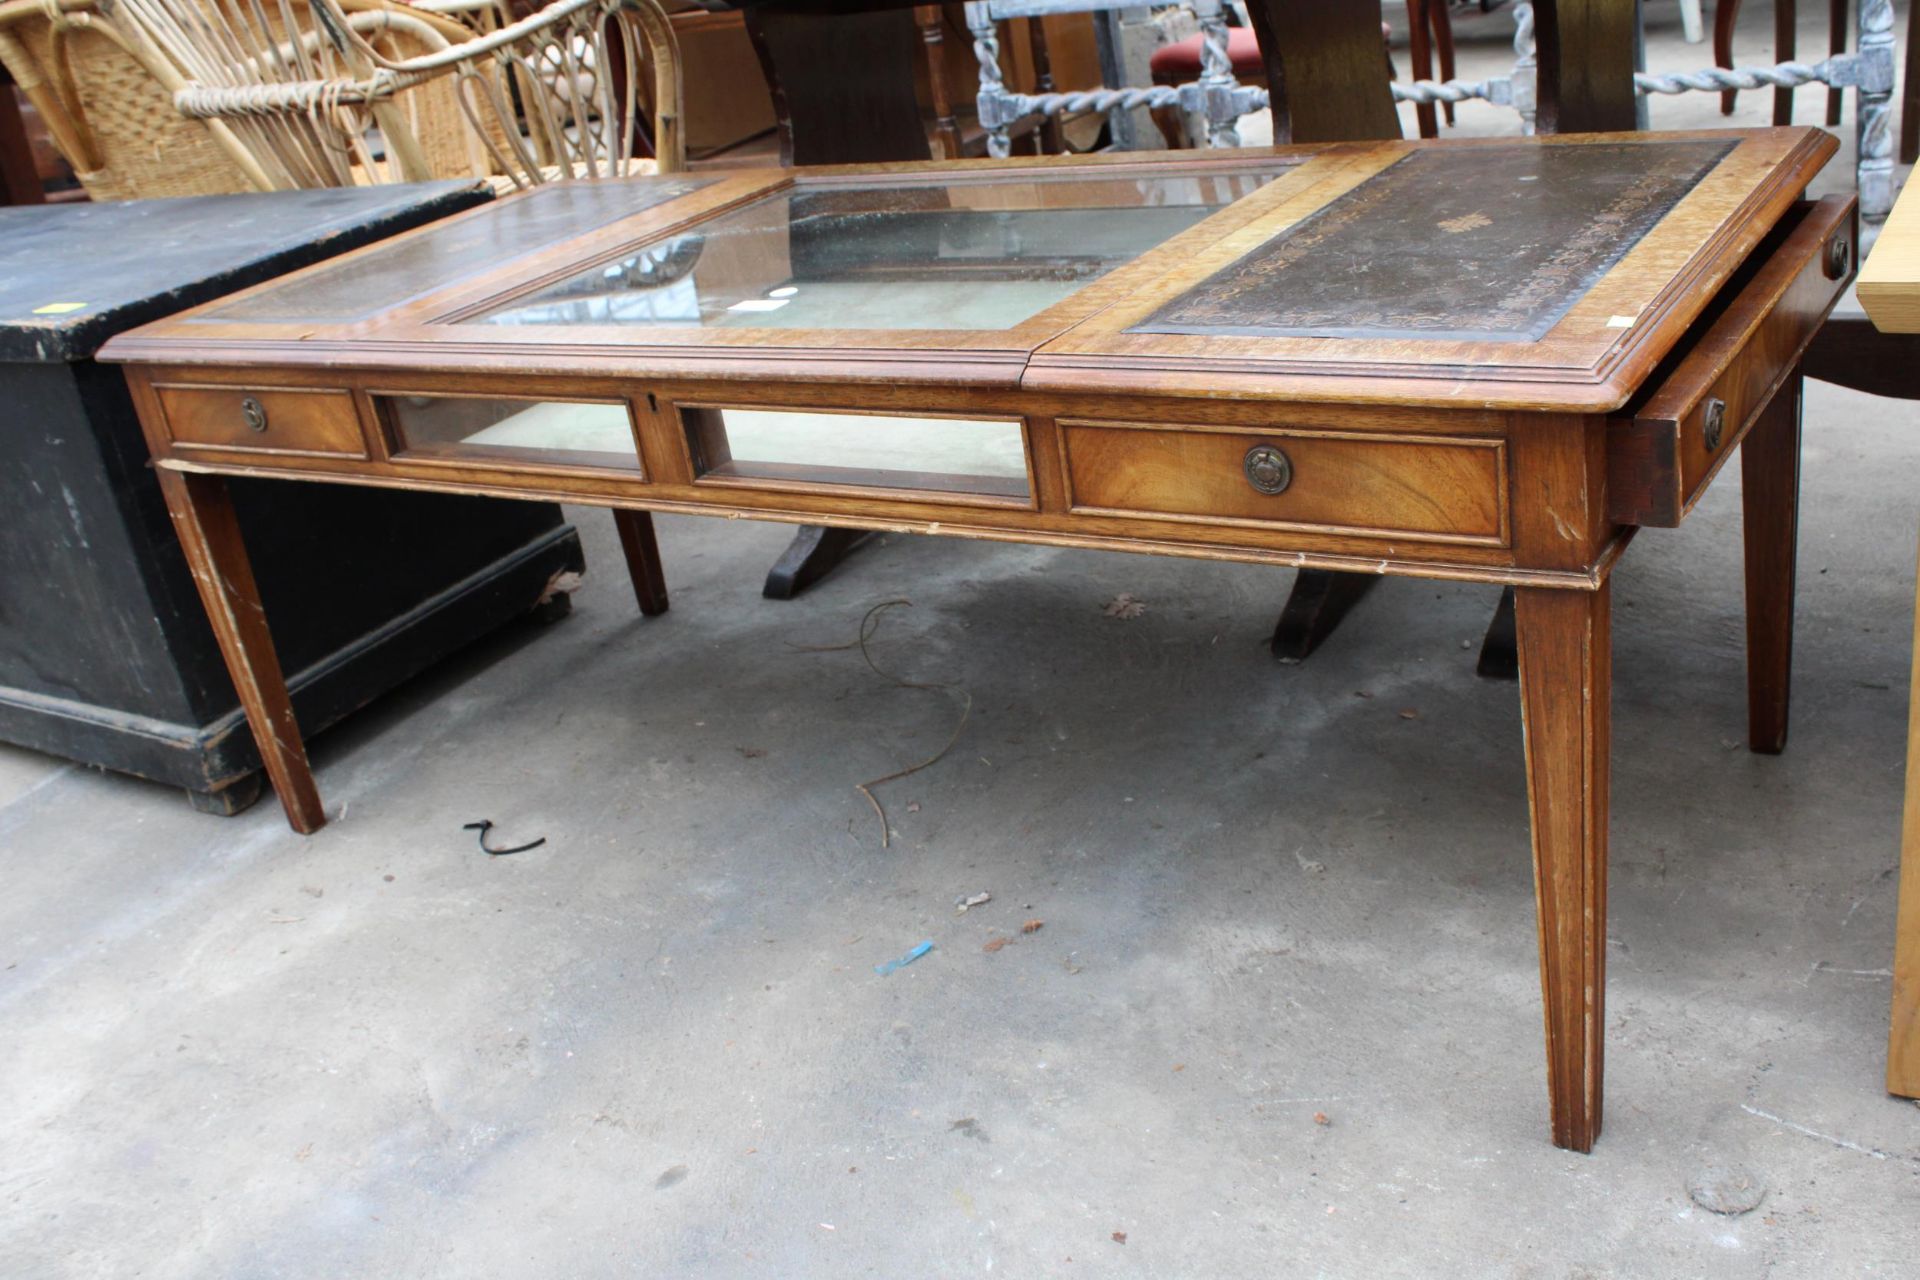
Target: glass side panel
{"x":962,"y":255}
{"x":1486,"y":243}
{"x":984,"y":457}
{"x":361,"y":284}
{"x":479,"y":429}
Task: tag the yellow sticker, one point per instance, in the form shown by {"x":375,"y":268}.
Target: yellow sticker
{"x":59,"y":308}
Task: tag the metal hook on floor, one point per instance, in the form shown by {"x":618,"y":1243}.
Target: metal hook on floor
{"x":483,"y":826}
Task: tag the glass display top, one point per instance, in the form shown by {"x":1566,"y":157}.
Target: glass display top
{"x":365,"y":283}
{"x":974,"y":255}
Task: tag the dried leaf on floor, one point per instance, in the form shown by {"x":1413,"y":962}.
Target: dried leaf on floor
{"x":1033,"y":926}
{"x":994,"y":944}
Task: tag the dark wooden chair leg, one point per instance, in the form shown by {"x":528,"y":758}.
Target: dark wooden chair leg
{"x":812,"y":554}
{"x":1770,"y":495}
{"x":1836,"y":44}
{"x":1443,"y":43}
{"x":1420,"y":59}
{"x":1725,"y":14}
{"x":1053,"y":138}
{"x":643,"y":560}
{"x":1565,"y":646}
{"x":1320,"y":598}
{"x":1910,"y":97}
{"x":1499,"y":652}
{"x":202,"y":512}
{"x":19,"y":179}
{"x":1785,"y":29}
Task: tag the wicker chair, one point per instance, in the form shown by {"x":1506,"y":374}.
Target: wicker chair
{"x":196,"y":97}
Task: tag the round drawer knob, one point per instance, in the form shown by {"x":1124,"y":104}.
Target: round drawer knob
{"x":1268,"y":469}
{"x":253,"y":413}
{"x":1714,"y":423}
{"x":1839,"y":257}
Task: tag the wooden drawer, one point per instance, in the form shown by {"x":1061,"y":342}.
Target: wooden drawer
{"x":245,"y":419}
{"x":1434,"y":488}
{"x":1660,"y":460}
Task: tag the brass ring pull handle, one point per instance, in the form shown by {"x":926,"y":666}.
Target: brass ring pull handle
{"x":253,"y":413}
{"x":1268,"y":469}
{"x":1839,"y":257}
{"x":1714,"y":423}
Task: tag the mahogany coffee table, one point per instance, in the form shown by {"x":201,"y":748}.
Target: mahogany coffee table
{"x":1489,"y":360}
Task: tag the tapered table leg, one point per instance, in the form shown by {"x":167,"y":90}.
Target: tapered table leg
{"x":203,"y":518}
{"x":1565,"y":641}
{"x":1770,"y":493}
{"x":1903,"y":1041}
{"x":643,"y":560}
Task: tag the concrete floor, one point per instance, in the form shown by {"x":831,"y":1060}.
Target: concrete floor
{"x":1282,"y":1018}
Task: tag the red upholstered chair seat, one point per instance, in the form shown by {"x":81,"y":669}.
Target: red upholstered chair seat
{"x":1179,"y":63}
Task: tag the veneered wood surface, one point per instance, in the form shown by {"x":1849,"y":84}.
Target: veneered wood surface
{"x":296,"y":420}
{"x":1402,"y":485}
{"x":428,"y":331}
{"x":669,"y":483}
{"x":1592,"y":358}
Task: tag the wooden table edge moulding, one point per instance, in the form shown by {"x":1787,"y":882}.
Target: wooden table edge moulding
{"x":1489,"y":360}
{"x":1889,"y":292}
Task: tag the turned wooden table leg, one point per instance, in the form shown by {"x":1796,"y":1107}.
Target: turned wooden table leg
{"x":1903,"y":1040}
{"x":1565,"y":640}
{"x":1770,"y":493}
{"x":203,"y":518}
{"x":643,"y":560}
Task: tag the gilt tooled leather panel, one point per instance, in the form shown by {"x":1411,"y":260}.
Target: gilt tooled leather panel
{"x":1491,"y":243}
